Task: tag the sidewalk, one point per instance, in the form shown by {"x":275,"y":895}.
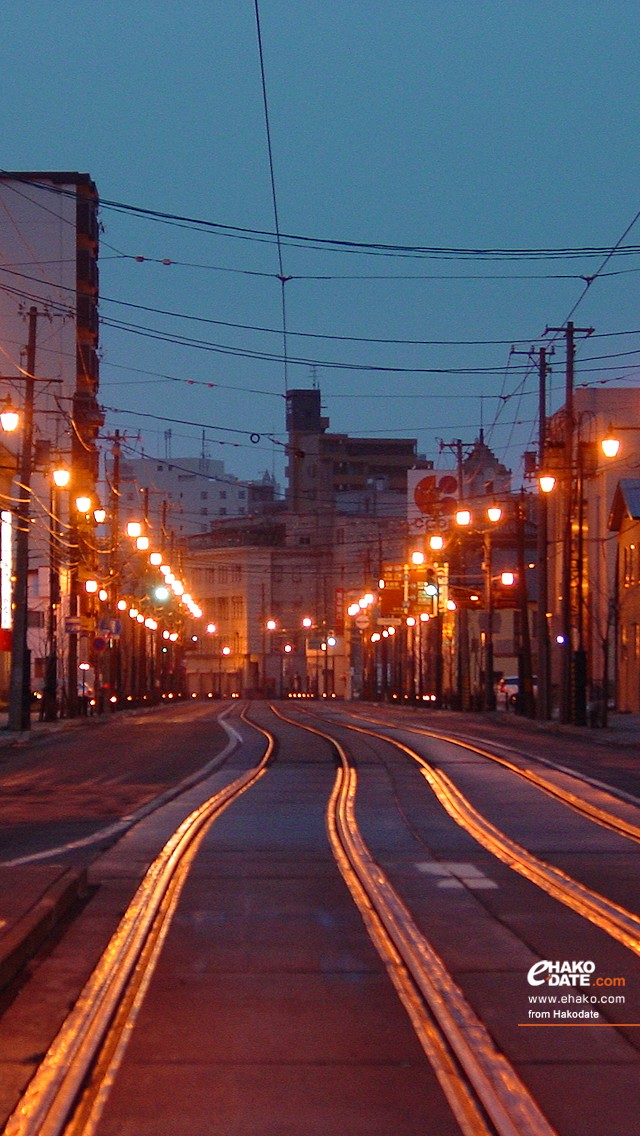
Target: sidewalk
{"x":621,"y":729}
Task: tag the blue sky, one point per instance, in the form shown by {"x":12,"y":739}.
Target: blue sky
{"x":470,"y":125}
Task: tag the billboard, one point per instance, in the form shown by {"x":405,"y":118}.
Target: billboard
{"x":431,"y":496}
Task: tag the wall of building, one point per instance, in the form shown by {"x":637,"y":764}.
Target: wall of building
{"x":48,"y":255}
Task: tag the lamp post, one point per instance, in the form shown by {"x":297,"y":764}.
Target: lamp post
{"x":60,"y":478}
{"x":494,"y":513}
{"x":464,"y":519}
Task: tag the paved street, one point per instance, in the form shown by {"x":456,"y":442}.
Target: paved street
{"x":265,"y":974}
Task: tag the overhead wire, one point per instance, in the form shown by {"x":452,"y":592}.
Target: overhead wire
{"x":274,"y":197}
{"x":341,"y":245}
{"x":323,"y":244}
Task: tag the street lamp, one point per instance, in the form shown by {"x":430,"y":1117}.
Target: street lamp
{"x":464,"y":519}
{"x":9,"y":417}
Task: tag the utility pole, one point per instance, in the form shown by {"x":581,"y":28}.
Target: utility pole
{"x":20,"y":675}
{"x":462,"y":645}
{"x":573,"y":673}
{"x":544,"y":671}
{"x":525,"y":674}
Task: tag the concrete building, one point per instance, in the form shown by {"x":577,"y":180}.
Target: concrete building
{"x":625,"y":521}
{"x":184,"y":496}
{"x":49,"y":278}
{"x":297,"y":571}
{"x":581,"y":550}
{"x":329,"y":471}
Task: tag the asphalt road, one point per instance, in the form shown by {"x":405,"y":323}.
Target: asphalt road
{"x":270,"y":1012}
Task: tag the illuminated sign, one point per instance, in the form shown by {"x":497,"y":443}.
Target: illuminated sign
{"x":6,"y":565}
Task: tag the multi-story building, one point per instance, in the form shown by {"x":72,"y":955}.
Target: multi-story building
{"x":49,"y":298}
{"x":184,"y":496}
{"x":328,"y":471}
{"x":625,"y":601}
{"x":274,"y":590}
{"x":581,"y":551}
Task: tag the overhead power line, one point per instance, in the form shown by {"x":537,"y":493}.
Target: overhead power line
{"x":342,"y":245}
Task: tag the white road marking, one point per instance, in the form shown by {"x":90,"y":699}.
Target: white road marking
{"x":451,"y":874}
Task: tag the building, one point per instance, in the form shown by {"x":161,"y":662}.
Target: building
{"x":274,"y":589}
{"x":328,"y":471}
{"x":185,"y":496}
{"x":49,"y":300}
{"x":624,"y":520}
{"x":581,"y":552}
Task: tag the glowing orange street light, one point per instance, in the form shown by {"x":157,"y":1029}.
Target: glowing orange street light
{"x":83,"y":503}
{"x":610,"y":445}
{"x":61,"y":477}
{"x":9,"y":417}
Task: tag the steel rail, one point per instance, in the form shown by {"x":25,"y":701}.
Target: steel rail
{"x":571,"y":800}
{"x":482,"y":1088}
{"x":610,"y":917}
{"x":101,"y":1018}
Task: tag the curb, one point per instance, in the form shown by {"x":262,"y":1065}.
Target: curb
{"x":24,"y":938}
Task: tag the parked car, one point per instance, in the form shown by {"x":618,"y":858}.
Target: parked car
{"x":509,"y":689}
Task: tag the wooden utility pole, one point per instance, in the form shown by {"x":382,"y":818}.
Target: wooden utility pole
{"x":573,"y":667}
{"x":544,"y":670}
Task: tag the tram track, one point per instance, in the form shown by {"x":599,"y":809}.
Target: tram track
{"x":68,"y":1090}
{"x":487,"y":1097}
{"x":615,"y":920}
{"x":576,"y":803}
{"x":483,"y":1089}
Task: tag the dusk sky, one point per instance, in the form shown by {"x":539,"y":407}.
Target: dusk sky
{"x":475,"y":127}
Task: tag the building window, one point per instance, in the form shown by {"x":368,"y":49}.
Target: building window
{"x":223,"y":574}
{"x":237,"y":607}
{"x":236,"y":573}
